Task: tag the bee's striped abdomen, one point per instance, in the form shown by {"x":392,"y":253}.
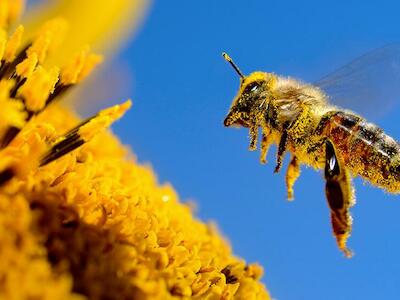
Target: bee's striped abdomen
{"x":365,"y":149}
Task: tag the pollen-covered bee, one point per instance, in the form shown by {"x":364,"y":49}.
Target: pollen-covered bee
{"x":298,"y":118}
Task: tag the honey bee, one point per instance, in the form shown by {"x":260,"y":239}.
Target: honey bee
{"x":298,"y":118}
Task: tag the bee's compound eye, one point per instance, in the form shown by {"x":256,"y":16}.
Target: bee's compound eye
{"x":252,"y":87}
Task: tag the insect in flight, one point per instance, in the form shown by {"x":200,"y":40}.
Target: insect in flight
{"x":299,"y":119}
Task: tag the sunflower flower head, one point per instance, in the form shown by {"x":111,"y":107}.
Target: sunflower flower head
{"x":79,"y":217}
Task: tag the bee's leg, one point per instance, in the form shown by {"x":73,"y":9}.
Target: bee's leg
{"x":293,"y":172}
{"x":253,"y":138}
{"x":339,"y":193}
{"x":265,"y":143}
{"x":281,"y":151}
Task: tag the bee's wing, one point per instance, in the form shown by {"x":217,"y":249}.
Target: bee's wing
{"x":369,"y":84}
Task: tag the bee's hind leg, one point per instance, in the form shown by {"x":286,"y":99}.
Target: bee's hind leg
{"x":339,"y":193}
{"x":265,"y":143}
{"x":292,"y":173}
{"x":281,"y":151}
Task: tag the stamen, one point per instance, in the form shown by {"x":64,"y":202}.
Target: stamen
{"x":91,"y":62}
{"x":40,"y":47}
{"x":13,"y":44}
{"x":79,"y":67}
{"x":8,"y":68}
{"x":12,"y":112}
{"x":37,"y":88}
{"x":59,"y":90}
{"x":34,"y":87}
{"x":10,"y":134}
{"x":48,"y":38}
{"x":55,"y":30}
{"x":85,"y":132}
{"x":27,"y":66}
{"x":6,"y":175}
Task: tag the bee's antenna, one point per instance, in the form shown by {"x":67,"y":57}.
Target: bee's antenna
{"x":229,"y":60}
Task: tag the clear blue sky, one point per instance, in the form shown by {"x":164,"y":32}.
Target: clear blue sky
{"x":182,"y":91}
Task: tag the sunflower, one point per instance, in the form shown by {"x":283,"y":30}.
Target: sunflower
{"x":79,"y":217}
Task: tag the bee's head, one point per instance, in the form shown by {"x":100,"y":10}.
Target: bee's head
{"x":252,"y":99}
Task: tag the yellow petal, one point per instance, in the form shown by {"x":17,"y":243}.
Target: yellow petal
{"x":3,"y":42}
{"x":15,"y":8}
{"x":102,"y":24}
{"x":3,"y":13}
{"x":10,"y":10}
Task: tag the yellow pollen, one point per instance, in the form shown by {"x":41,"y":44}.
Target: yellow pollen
{"x":92,"y":60}
{"x":48,"y":38}
{"x":103,"y":120}
{"x":56,"y":30}
{"x":80,"y":66}
{"x":77,"y":212}
{"x":5,"y":87}
{"x":38,"y":87}
{"x":13,"y":44}
{"x":27,"y":66}
{"x":12,"y":112}
{"x":40,"y":47}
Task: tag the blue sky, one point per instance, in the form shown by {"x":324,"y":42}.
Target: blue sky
{"x":182,"y":90}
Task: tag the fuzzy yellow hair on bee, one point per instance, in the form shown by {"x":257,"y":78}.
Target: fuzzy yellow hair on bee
{"x":298,"y":118}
